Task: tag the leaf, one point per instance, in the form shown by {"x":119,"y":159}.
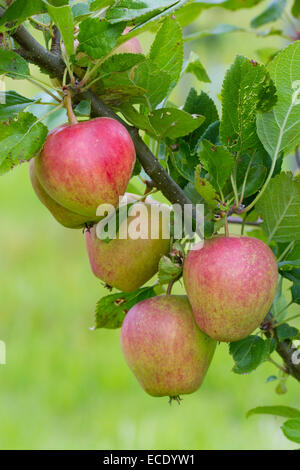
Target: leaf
{"x":286,"y":331}
{"x":98,"y":37}
{"x":204,"y":105}
{"x":19,"y":11}
{"x":238,"y":4}
{"x":63,"y":18}
{"x":13,"y":65}
{"x":184,"y":161}
{"x":296,"y":9}
{"x":12,"y":103}
{"x":279,"y":129}
{"x":283,"y":411}
{"x":20,"y":139}
{"x":99,"y":4}
{"x":127,"y":10}
{"x":272,"y":13}
{"x":83,"y":108}
{"x":296,"y":293}
{"x":216,"y":31}
{"x":195,"y":67}
{"x":155,"y":82}
{"x":279,"y":207}
{"x":168,"y":271}
{"x":120,"y":63}
{"x":167,"y":49}
{"x":247,"y":88}
{"x":249,"y":353}
{"x":217,"y":161}
{"x":291,"y":429}
{"x":80,"y":10}
{"x":111,"y":309}
{"x":173,"y":122}
{"x":206,"y":189}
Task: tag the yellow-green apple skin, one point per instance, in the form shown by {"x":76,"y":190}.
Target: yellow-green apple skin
{"x":65,"y":217}
{"x":164,"y":348}
{"x":87,"y":164}
{"x":127,"y":264}
{"x":231,"y":283}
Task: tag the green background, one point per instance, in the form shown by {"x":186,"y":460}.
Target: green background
{"x":66,"y":386}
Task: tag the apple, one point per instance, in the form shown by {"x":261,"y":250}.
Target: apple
{"x":63,"y":216}
{"x":127,"y":263}
{"x":164,"y":348}
{"x":231,"y":283}
{"x":132,"y":46}
{"x":87,"y":164}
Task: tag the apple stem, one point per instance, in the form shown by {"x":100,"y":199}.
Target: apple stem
{"x":68,"y":105}
{"x":226,"y":227}
{"x":169,"y":288}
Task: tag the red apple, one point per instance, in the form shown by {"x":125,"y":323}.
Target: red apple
{"x":87,"y":164}
{"x":128,"y":263}
{"x":164,"y":348}
{"x":231,"y":283}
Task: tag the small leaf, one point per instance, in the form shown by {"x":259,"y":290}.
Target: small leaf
{"x":184,"y":160}
{"x":173,"y":122}
{"x":155,"y":82}
{"x":272,"y":13}
{"x":282,"y":223}
{"x":127,"y":10}
{"x":168,"y":271}
{"x":13,"y":65}
{"x":296,"y":293}
{"x":291,"y":429}
{"x":83,"y":108}
{"x":247,"y":88}
{"x":283,"y":411}
{"x":296,"y":9}
{"x":20,"y":139}
{"x":19,"y":11}
{"x":279,"y":128}
{"x":62,"y":17}
{"x":167,"y":49}
{"x":286,"y":331}
{"x":206,"y":189}
{"x":97,"y":37}
{"x":217,"y":161}
{"x":249,"y":353}
{"x":195,"y":67}
{"x":271,"y":378}
{"x":13,"y":103}
{"x":111,"y":310}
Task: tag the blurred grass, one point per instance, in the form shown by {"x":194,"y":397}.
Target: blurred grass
{"x":65,"y":386}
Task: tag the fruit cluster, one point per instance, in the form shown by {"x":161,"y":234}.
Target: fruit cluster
{"x":168,"y":341}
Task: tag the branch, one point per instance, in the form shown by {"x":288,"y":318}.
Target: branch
{"x":38,"y":55}
{"x":285,"y":349}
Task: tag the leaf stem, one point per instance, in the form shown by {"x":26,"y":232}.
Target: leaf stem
{"x":277,"y":365}
{"x":290,"y":245}
{"x":288,"y":319}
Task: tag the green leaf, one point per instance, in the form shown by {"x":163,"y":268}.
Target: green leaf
{"x":173,"y":122}
{"x":98,"y":37}
{"x":80,"y":10}
{"x":168,"y":271}
{"x":13,"y":65}
{"x":12,"y":103}
{"x":279,"y":129}
{"x":249,"y":353}
{"x":167,"y":49}
{"x":99,"y":4}
{"x":283,"y":411}
{"x":111,"y":310}
{"x":272,"y":13}
{"x":216,"y":31}
{"x":200,"y":104}
{"x":195,"y":67}
{"x":127,"y":10}
{"x":282,"y":221}
{"x":247,"y":88}
{"x":63,"y":18}
{"x":155,"y":82}
{"x":296,"y":293}
{"x":238,"y":4}
{"x":20,"y":139}
{"x":286,"y":331}
{"x":206,"y":189}
{"x":217,"y":161}
{"x":184,"y":160}
{"x":120,"y":63}
{"x":296,"y":9}
{"x":291,"y":429}
{"x":19,"y":11}
{"x":83,"y":108}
